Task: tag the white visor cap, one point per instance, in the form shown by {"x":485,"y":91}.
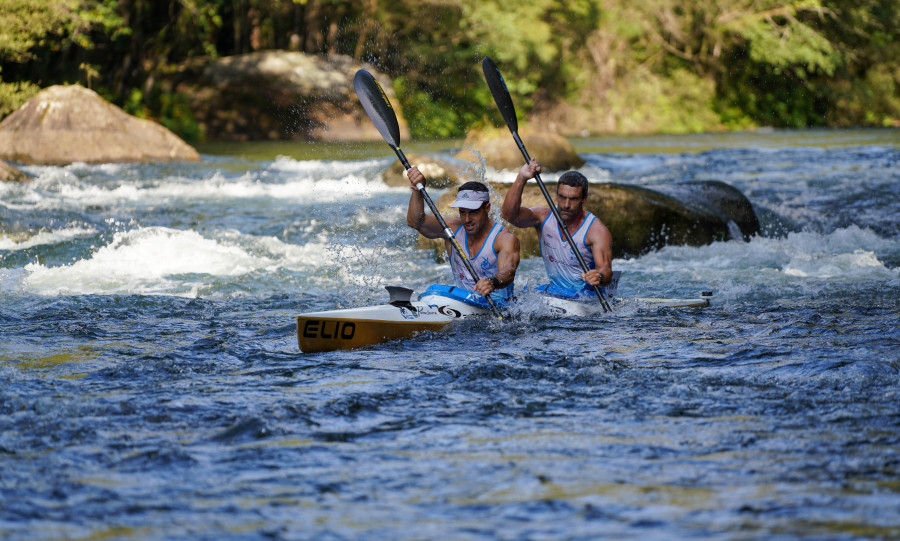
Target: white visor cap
{"x":470,"y":199}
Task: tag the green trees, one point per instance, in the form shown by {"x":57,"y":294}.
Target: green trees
{"x":742,"y":63}
{"x":865,"y":88}
{"x":38,"y":39}
{"x":572,"y":65}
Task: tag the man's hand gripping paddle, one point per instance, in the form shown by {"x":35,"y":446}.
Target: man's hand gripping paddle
{"x":378,"y":107}
{"x":504,"y":103}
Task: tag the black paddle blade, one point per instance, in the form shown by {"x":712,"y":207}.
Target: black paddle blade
{"x":377,"y":106}
{"x":500,"y":92}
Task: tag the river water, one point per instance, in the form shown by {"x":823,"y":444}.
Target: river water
{"x":151,"y":386}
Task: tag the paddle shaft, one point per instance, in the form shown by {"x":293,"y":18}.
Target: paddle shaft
{"x":565,"y":230}
{"x":448,"y":233}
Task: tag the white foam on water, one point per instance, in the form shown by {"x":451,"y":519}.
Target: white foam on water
{"x":160,"y":260}
{"x":249,"y":186}
{"x":325,"y":168}
{"x":141,"y":261}
{"x":831,"y":266}
{"x":853,"y":247}
{"x":81,"y":168}
{"x":36,"y":192}
{"x":8,"y":241}
{"x":797,"y":264}
{"x":286,"y":179}
{"x":311,"y":256}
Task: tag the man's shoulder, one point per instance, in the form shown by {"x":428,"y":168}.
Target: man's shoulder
{"x":505,"y":233}
{"x":541,"y":212}
{"x":597,"y":223}
{"x":597,"y":231}
{"x":505,"y":236}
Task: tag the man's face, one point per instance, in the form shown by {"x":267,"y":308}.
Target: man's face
{"x":569,"y":201}
{"x":474,"y":220}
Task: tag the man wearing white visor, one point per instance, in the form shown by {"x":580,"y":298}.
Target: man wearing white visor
{"x":493,"y":251}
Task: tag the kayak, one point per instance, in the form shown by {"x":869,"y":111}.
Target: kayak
{"x":399,"y":318}
{"x":436,"y":308}
{"x":582,"y":305}
{"x":566,"y":307}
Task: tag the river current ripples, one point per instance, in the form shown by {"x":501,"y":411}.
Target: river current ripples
{"x":151,"y":386}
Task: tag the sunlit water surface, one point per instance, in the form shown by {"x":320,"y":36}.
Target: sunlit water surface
{"x":151,"y":386}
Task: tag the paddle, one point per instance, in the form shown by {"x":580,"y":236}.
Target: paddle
{"x":504,"y":103}
{"x":378,"y":107}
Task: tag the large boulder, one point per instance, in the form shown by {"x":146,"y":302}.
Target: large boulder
{"x":440,"y":173}
{"x":9,"y":173}
{"x":499,"y":150}
{"x":65,"y":124}
{"x":715,"y":198}
{"x":640,"y":219}
{"x":271,"y":95}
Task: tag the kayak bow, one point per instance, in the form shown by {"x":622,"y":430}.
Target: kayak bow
{"x":400,"y":318}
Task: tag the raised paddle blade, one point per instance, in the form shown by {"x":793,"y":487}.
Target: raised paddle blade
{"x":377,"y":106}
{"x":501,"y":94}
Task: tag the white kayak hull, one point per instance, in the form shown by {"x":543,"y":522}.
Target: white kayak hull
{"x":570,"y":308}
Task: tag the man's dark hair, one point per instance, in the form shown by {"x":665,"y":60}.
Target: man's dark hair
{"x":474,"y":186}
{"x":576,"y":180}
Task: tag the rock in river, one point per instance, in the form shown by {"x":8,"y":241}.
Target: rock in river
{"x":271,"y":95}
{"x":640,"y":219}
{"x":65,"y":124}
{"x":441,"y":173}
{"x":9,"y":173}
{"x":498,"y":150}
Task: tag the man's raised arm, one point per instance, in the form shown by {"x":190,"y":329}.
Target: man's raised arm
{"x":416,"y":218}
{"x":512,"y":210}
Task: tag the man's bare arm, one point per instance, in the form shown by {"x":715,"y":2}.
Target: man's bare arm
{"x":507,"y":247}
{"x":416,"y":218}
{"x":512,"y":210}
{"x":507,"y":258}
{"x":599,"y":240}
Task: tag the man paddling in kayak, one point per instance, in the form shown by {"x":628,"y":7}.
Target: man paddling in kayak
{"x":590,"y":235}
{"x":493,"y":252}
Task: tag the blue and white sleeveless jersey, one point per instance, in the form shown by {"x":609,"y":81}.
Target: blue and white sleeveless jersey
{"x":562,"y":265}
{"x":484,"y":262}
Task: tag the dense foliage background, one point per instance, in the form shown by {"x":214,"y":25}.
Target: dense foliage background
{"x":574,"y":66}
